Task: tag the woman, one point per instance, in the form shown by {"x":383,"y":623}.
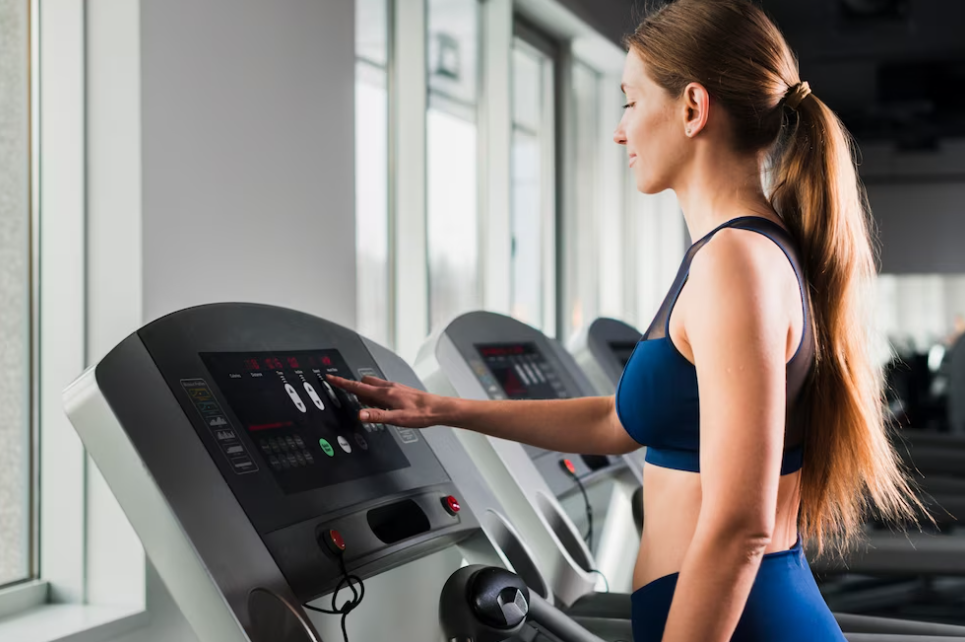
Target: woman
{"x":783,"y":438}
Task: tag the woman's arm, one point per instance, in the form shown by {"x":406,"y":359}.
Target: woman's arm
{"x":737,"y":323}
{"x":588,"y":425}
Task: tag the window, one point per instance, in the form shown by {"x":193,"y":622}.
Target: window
{"x":16,"y":453}
{"x":582,"y":221}
{"x":917,"y":311}
{"x":371,"y":169}
{"x":532,"y":188}
{"x":452,"y":60}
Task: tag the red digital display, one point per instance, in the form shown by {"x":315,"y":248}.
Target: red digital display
{"x":326,"y":361}
{"x":273,"y":363}
{"x":293,"y":362}
{"x":521,"y":371}
{"x":270,"y":426}
{"x":501,"y":351}
{"x":252,"y":364}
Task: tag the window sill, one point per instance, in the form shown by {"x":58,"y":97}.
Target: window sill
{"x":71,"y":623}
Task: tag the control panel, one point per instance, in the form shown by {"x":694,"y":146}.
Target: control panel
{"x":305,"y":430}
{"x":517,"y":371}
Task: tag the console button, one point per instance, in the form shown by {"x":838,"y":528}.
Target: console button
{"x":314,"y":396}
{"x":343,"y":442}
{"x":295,"y":398}
{"x":330,"y":392}
{"x":360,"y":440}
{"x":451,"y":504}
{"x":326,"y":447}
{"x":333,"y":541}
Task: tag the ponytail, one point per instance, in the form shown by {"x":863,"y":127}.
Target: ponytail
{"x":850,"y":461}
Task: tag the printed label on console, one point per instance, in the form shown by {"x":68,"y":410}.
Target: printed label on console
{"x":215,"y":419}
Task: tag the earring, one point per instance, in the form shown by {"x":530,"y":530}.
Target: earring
{"x":689,"y":131}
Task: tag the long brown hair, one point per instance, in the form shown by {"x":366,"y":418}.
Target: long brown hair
{"x":742,"y":60}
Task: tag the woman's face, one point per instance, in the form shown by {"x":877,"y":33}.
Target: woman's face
{"x":652,"y":128}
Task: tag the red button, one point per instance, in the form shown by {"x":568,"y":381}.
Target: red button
{"x":335,"y":539}
{"x":451,"y":504}
{"x":568,"y":466}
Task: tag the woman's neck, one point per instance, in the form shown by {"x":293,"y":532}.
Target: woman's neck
{"x":719,"y":187}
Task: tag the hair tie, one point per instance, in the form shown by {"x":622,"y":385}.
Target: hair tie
{"x":796,"y":94}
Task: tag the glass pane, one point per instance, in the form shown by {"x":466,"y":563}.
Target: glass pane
{"x":15,"y":453}
{"x":452,"y":227}
{"x":371,"y":31}
{"x":532,"y":186}
{"x":371,"y":171}
{"x":582,"y":261}
{"x":527,"y":83}
{"x":921,"y":320}
{"x":452,"y":49}
{"x":451,"y":164}
{"x":527,"y":291}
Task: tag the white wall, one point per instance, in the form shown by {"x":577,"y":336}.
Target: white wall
{"x":220,"y":168}
{"x":247,"y":154}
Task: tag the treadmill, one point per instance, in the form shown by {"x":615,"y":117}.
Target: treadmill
{"x":259,"y":495}
{"x":484,"y":355}
{"x":247,"y":481}
{"x":602,"y":349}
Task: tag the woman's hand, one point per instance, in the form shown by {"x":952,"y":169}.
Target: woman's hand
{"x":396,"y":404}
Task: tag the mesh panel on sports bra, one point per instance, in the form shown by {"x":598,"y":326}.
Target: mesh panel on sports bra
{"x":799,"y":366}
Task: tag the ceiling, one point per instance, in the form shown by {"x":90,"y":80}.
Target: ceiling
{"x":894,"y":70}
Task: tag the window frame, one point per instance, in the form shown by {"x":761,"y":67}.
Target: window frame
{"x":66,"y":598}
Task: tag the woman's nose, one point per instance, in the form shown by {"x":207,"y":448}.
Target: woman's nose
{"x":619,"y":136}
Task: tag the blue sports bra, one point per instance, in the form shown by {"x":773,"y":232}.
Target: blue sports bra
{"x":656,"y":398}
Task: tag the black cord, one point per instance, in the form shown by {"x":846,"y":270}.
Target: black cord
{"x":588,"y":538}
{"x":350,"y":605}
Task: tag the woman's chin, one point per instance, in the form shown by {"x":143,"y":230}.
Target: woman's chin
{"x":650,"y":186}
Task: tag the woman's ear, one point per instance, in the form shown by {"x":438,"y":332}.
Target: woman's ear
{"x":696,"y":109}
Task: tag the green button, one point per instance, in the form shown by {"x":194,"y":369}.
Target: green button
{"x":326,"y":448}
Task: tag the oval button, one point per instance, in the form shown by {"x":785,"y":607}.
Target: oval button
{"x":295,"y":398}
{"x":314,"y":396}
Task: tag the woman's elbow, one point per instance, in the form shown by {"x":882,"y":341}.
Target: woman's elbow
{"x":749,"y":535}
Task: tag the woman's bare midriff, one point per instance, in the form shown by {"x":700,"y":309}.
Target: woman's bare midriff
{"x":671,"y":504}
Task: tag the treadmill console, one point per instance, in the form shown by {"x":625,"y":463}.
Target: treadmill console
{"x":517,"y":371}
{"x":247,"y":385}
{"x":622,"y":351}
{"x":306,"y":430}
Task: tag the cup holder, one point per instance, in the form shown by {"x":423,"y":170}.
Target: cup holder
{"x":507,"y":540}
{"x":562,"y":528}
{"x":274,"y":619}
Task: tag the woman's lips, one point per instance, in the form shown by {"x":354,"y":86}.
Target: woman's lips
{"x":633,"y":158}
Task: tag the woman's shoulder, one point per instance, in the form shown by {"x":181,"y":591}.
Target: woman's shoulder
{"x":740,"y":282}
{"x":739,"y":255}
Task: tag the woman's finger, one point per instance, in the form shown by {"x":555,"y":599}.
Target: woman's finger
{"x":375,"y":381}
{"x":391,"y":417}
{"x":355,"y":387}
{"x":371,"y":414}
{"x":369,"y":395}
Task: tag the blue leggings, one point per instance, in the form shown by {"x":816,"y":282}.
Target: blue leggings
{"x":784,"y":605}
